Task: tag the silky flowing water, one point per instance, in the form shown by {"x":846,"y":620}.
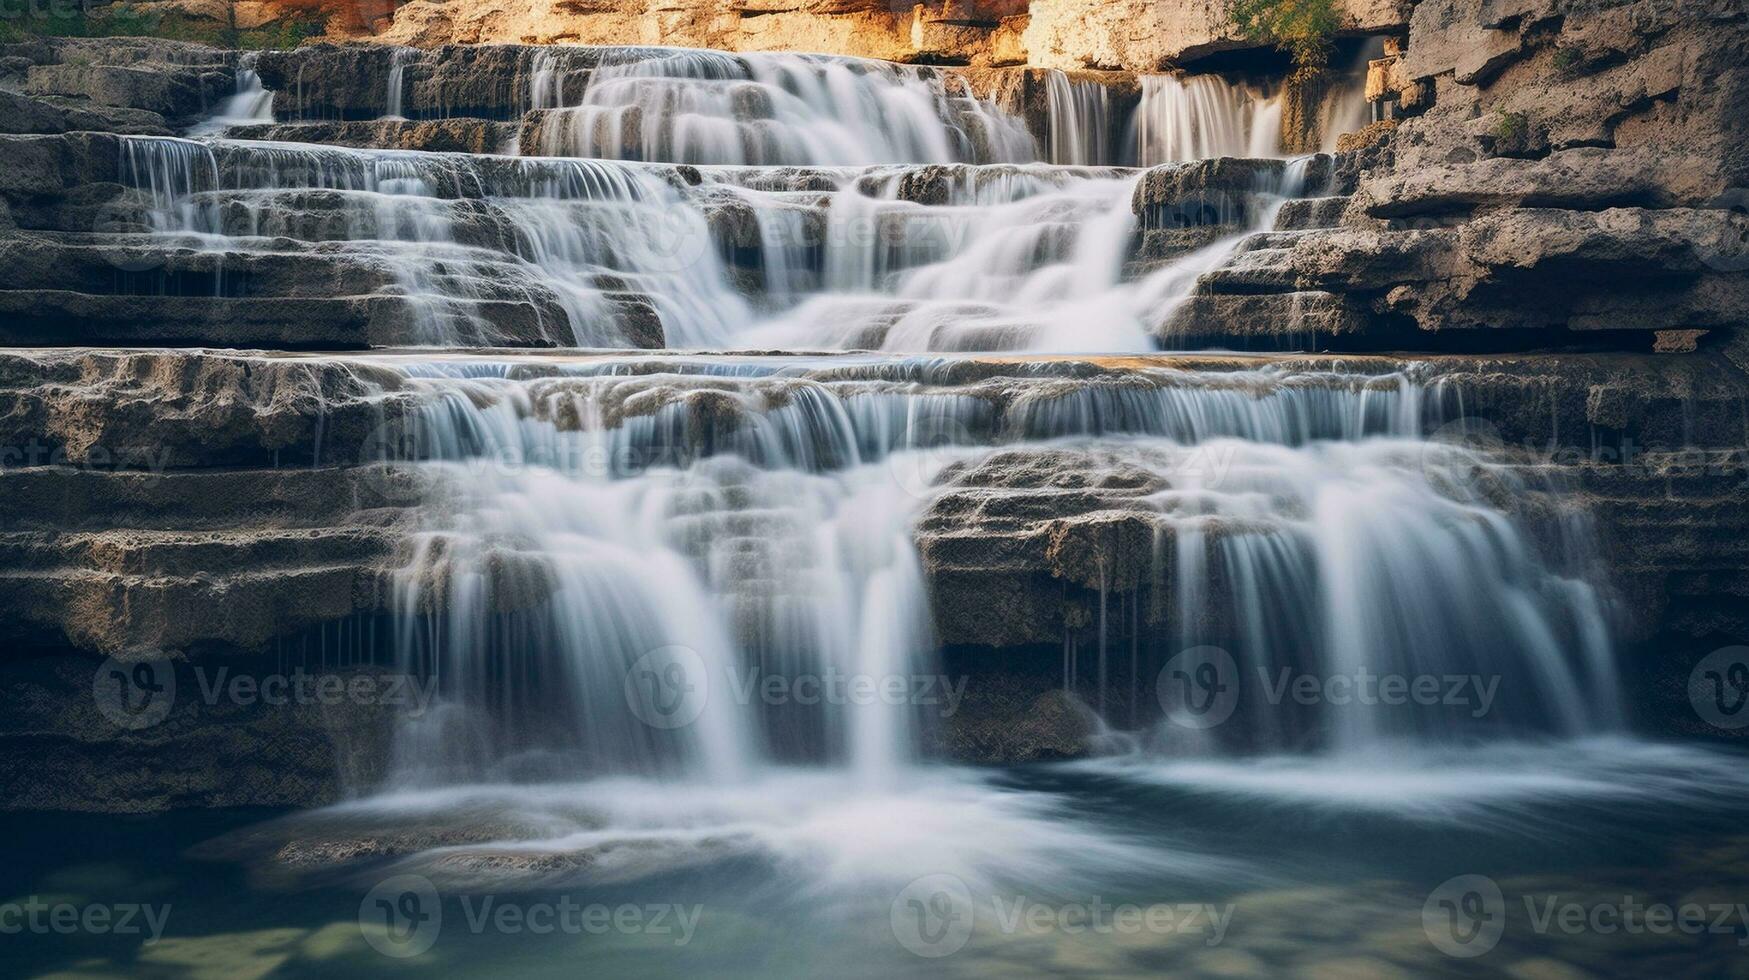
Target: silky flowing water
{"x":616,"y":552}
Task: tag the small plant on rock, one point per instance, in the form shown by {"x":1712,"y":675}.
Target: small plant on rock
{"x":1305,"y":29}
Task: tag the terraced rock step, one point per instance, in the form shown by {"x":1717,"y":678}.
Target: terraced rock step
{"x":149,"y":438}
{"x":121,"y":85}
{"x":222,"y":506}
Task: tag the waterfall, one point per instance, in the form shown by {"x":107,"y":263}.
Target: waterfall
{"x":571,"y":558}
{"x":397,"y":86}
{"x":755,"y":517}
{"x":250,"y":105}
{"x":1033,"y":261}
{"x":686,"y":614}
{"x":611,"y":253}
{"x":1383,"y":557}
{"x":704,"y":521}
{"x":594,"y":248}
{"x":708,"y":107}
{"x":1180,"y":119}
{"x":1080,"y":120}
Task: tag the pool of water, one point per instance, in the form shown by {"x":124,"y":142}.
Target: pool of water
{"x":1605,"y":857}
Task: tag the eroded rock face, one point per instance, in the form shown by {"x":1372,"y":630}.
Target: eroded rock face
{"x":60,"y":750}
{"x":982,"y":32}
{"x":1134,"y":35}
{"x":122,"y":85}
{"x":1067,"y":34}
{"x":1571,"y":172}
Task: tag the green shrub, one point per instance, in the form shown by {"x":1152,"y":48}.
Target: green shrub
{"x":1305,"y":29}
{"x":1512,"y":127}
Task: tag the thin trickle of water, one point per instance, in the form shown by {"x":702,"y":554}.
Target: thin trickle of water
{"x":1184,"y":118}
{"x":397,"y":85}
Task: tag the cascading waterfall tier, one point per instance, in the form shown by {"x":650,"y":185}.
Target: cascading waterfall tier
{"x":1203,"y":116}
{"x":717,"y":522}
{"x":251,"y":104}
{"x":608,"y":253}
{"x":1181,"y":118}
{"x":1079,"y":115}
{"x":767,"y":109}
{"x":603,"y":254}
